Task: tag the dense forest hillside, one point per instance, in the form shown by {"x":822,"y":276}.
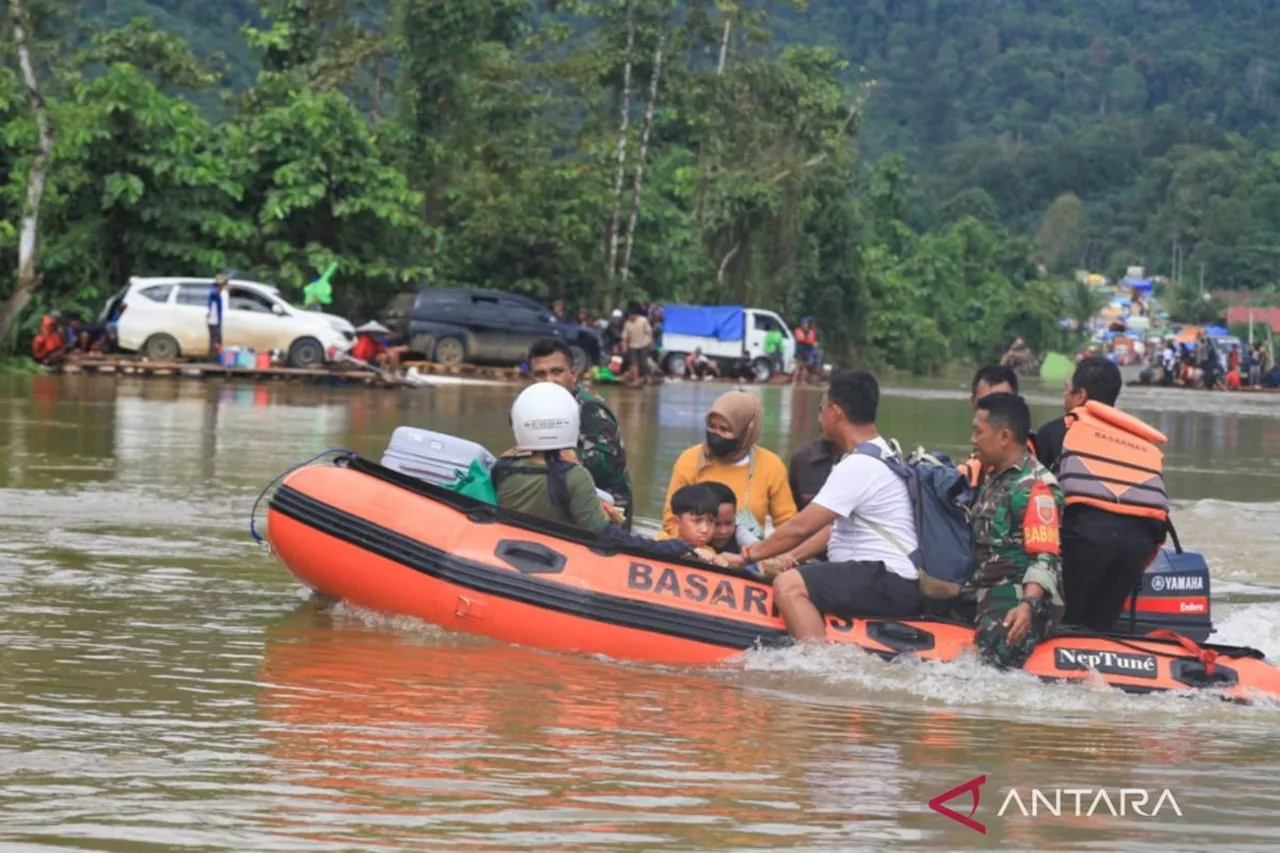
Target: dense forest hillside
{"x":947,"y":71}
{"x":1027,"y":100}
{"x":924,"y":175}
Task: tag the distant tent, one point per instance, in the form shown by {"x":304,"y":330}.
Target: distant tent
{"x":1216,"y":331}
{"x":1140,"y":284}
{"x":1056,"y":367}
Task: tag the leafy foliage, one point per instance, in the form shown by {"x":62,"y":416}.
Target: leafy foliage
{"x":898,"y":170}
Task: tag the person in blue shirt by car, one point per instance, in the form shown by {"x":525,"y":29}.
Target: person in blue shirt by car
{"x":214,"y":316}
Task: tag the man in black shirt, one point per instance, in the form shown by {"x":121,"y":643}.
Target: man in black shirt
{"x":1103,"y":553}
{"x":810,"y":465}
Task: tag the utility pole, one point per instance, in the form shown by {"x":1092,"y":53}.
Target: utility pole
{"x":1202,"y":281}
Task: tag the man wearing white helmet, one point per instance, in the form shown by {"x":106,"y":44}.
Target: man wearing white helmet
{"x":600,"y":447}
{"x":541,"y":476}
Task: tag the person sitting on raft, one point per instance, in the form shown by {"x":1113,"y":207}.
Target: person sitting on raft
{"x":988,"y":380}
{"x":696,"y":508}
{"x":541,"y":475}
{"x":601,"y":449}
{"x":1112,"y":474}
{"x":862,"y":516}
{"x":1016,"y":521}
{"x":730,"y":455}
{"x":729,"y":537}
{"x":374,"y":347}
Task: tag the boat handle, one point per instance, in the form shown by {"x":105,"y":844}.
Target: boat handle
{"x":530,"y":558}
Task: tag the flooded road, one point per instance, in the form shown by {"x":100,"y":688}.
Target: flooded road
{"x":165,"y":685}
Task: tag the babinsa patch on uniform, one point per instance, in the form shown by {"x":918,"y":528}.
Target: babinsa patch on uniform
{"x":1046,"y":509}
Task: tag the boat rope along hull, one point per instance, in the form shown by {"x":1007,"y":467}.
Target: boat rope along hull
{"x":363,"y":534}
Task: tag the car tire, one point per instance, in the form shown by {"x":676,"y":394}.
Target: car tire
{"x":580,"y":360}
{"x":674,"y":364}
{"x":423,"y":345}
{"x":763,"y":369}
{"x":306,"y":353}
{"x":450,"y":351}
{"x":161,"y":347}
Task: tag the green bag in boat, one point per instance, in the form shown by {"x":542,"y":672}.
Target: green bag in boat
{"x":475,"y":483}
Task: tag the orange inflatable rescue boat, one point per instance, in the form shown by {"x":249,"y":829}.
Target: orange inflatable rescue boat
{"x":353,"y":530}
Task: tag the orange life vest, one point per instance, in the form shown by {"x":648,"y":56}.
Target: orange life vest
{"x":808,"y":339}
{"x":1110,"y":460}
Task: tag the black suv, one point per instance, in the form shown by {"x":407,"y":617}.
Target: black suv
{"x":450,"y":325}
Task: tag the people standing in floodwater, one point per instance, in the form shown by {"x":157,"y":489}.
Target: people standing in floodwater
{"x":637,"y":341}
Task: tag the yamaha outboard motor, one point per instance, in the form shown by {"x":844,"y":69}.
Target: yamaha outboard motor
{"x":1174,"y":596}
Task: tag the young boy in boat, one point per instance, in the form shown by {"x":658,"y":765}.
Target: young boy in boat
{"x":697,"y":512}
{"x":729,"y":537}
{"x":541,"y":475}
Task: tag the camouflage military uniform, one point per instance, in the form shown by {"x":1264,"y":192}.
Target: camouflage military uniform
{"x":1016,"y":540}
{"x":602,"y":452}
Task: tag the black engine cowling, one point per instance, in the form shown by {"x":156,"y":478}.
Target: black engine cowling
{"x":1174,"y":595}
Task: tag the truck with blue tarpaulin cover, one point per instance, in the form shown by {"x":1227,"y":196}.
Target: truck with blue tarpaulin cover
{"x":732,"y":335}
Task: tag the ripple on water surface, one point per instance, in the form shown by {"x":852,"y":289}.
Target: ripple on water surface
{"x":165,"y":685}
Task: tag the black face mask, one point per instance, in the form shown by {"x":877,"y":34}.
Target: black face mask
{"x":721,"y":446}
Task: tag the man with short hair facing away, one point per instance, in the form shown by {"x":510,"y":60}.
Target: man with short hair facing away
{"x":1117,"y":508}
{"x":989,"y":379}
{"x":866,"y":508}
{"x":1017,"y":583}
{"x":600,"y":447}
{"x":992,"y":379}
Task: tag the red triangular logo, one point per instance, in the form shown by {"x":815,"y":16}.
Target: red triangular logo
{"x":973,"y":787}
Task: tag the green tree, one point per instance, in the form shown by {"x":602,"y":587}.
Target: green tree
{"x":1061,"y":234}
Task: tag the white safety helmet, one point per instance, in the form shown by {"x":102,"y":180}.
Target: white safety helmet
{"x":545,"y":417}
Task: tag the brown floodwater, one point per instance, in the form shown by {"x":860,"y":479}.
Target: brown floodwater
{"x":165,"y":685}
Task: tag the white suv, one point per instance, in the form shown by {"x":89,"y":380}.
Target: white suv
{"x":166,"y":318}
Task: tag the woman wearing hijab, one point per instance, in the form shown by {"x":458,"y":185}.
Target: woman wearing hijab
{"x":730,"y":455}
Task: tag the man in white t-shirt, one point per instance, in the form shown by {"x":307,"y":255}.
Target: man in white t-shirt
{"x":872,"y":526}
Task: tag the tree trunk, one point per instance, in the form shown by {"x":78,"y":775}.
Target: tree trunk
{"x":724,"y":46}
{"x":28,"y":280}
{"x":644,"y":144}
{"x":724,"y":58}
{"x":623,"y":123}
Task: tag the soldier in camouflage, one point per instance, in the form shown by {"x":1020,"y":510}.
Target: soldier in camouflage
{"x":1016,"y":536}
{"x":600,"y":447}
{"x":602,"y":452}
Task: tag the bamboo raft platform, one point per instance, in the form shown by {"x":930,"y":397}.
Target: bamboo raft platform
{"x":341,"y":372}
{"x":472,"y":371}
{"x":131,"y":366}
{"x":334,"y":373}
